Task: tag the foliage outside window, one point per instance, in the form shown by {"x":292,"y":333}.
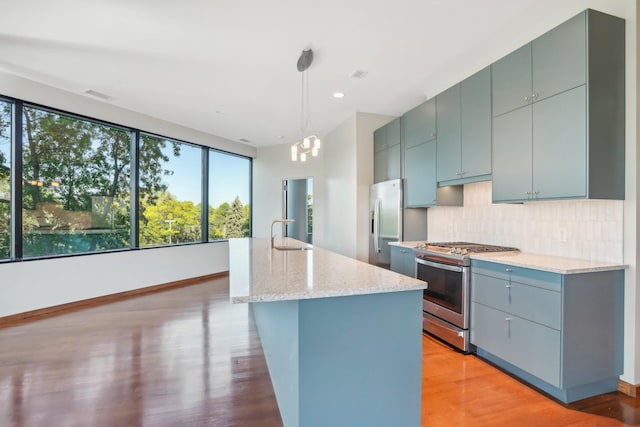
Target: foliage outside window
{"x":5,"y":180}
{"x":76,"y":187}
{"x":170,"y":192}
{"x":229,"y":190}
{"x":76,"y":195}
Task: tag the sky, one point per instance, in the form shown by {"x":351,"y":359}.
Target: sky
{"x":229,"y":176}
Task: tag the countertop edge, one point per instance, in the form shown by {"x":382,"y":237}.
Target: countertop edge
{"x":540,"y":265}
{"x":318,"y":295}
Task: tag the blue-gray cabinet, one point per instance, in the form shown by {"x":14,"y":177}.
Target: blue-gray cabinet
{"x":403,"y":260}
{"x":387,"y":152}
{"x":558,"y":114}
{"x":419,"y":124}
{"x":561,"y":333}
{"x":420,"y":156}
{"x":418,"y":138}
{"x":420,"y":186}
{"x":464,"y":130}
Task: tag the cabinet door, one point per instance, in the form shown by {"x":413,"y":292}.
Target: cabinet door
{"x":512,"y":168}
{"x":448,"y":123}
{"x":511,"y":81}
{"x":559,"y":146}
{"x":475,"y":119}
{"x":419,"y":124}
{"x":393,"y":132}
{"x":420,"y":175}
{"x":529,"y":346}
{"x":386,"y":164}
{"x":559,"y":58}
{"x":380,"y":139}
{"x":397,"y":260}
{"x":402,"y":260}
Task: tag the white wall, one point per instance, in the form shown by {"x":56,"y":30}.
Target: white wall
{"x":271,"y":166}
{"x":341,"y":176}
{"x":38,"y":93}
{"x":31,"y":285}
{"x":340,"y":211}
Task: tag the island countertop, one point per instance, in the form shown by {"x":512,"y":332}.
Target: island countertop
{"x":258,"y":273}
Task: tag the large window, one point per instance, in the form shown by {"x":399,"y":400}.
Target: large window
{"x":170,"y":192}
{"x":89,"y":186}
{"x":229,"y":193}
{"x":5,"y":180}
{"x":75,"y":177}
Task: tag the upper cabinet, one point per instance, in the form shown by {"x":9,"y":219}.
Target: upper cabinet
{"x":419,"y":124}
{"x":386,"y":156}
{"x":551,"y":64}
{"x":464,"y":130}
{"x":558,"y":108}
{"x":419,"y":141}
{"x":418,"y":137}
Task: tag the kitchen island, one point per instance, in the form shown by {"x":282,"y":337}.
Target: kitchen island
{"x":342,"y":338}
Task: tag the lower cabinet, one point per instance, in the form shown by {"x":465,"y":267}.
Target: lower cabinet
{"x":403,"y":260}
{"x":561,"y":333}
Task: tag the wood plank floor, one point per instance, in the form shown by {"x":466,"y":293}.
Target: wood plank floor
{"x":187,"y":357}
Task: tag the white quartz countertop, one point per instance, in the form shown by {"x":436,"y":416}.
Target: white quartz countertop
{"x":258,"y":273}
{"x":554,"y":264}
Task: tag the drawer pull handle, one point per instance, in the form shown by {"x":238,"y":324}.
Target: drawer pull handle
{"x":508,"y":270}
{"x":508,"y":319}
{"x":507,"y":286}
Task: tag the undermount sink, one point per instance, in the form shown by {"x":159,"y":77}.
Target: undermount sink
{"x":293,"y":248}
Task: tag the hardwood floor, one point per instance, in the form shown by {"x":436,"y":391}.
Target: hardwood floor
{"x":183,"y":357}
{"x":187,"y":357}
{"x":463,"y":390}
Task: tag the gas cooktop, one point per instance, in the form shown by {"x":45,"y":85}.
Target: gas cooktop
{"x":457,"y":249}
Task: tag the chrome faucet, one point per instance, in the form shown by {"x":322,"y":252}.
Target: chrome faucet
{"x":285,"y":221}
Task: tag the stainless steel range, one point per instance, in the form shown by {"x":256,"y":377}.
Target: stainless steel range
{"x":446,"y":267}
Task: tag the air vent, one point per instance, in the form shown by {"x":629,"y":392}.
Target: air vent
{"x":245,"y":140}
{"x":97,"y":94}
{"x":358,"y":74}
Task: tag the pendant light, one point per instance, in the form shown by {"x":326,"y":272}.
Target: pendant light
{"x":308,"y":144}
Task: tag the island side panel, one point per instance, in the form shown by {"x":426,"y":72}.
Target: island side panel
{"x":277,"y":324}
{"x":361,"y":360}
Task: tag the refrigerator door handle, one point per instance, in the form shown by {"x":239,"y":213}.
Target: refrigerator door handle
{"x":376,"y":225}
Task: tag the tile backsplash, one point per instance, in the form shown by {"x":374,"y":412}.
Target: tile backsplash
{"x":588,"y":229}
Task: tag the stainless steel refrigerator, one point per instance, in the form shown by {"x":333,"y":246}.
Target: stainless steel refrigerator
{"x":385,"y":220}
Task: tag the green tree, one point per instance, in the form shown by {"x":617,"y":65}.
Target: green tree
{"x":5,"y":179}
{"x":234,"y":220}
{"x":217,"y":217}
{"x":168,"y":220}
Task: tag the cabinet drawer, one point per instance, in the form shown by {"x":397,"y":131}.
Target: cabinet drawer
{"x":527,"y":276}
{"x":527,"y":345}
{"x":529,"y":302}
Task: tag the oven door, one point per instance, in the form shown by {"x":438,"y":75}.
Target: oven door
{"x":448,"y":294}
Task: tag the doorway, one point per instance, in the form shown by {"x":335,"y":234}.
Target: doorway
{"x":298,"y":205}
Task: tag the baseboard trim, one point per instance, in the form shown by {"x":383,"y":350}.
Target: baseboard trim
{"x":55,"y":310}
{"x":628,"y":389}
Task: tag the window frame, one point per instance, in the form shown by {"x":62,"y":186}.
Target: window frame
{"x":16,"y":167}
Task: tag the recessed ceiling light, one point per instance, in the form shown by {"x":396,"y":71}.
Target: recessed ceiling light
{"x":338,"y":95}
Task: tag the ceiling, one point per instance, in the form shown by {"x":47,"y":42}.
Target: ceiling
{"x":228,"y":67}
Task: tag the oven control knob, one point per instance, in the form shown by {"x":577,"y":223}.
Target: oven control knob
{"x":463,"y":252}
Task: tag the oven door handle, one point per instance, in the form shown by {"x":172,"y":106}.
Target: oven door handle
{"x":454,"y":268}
